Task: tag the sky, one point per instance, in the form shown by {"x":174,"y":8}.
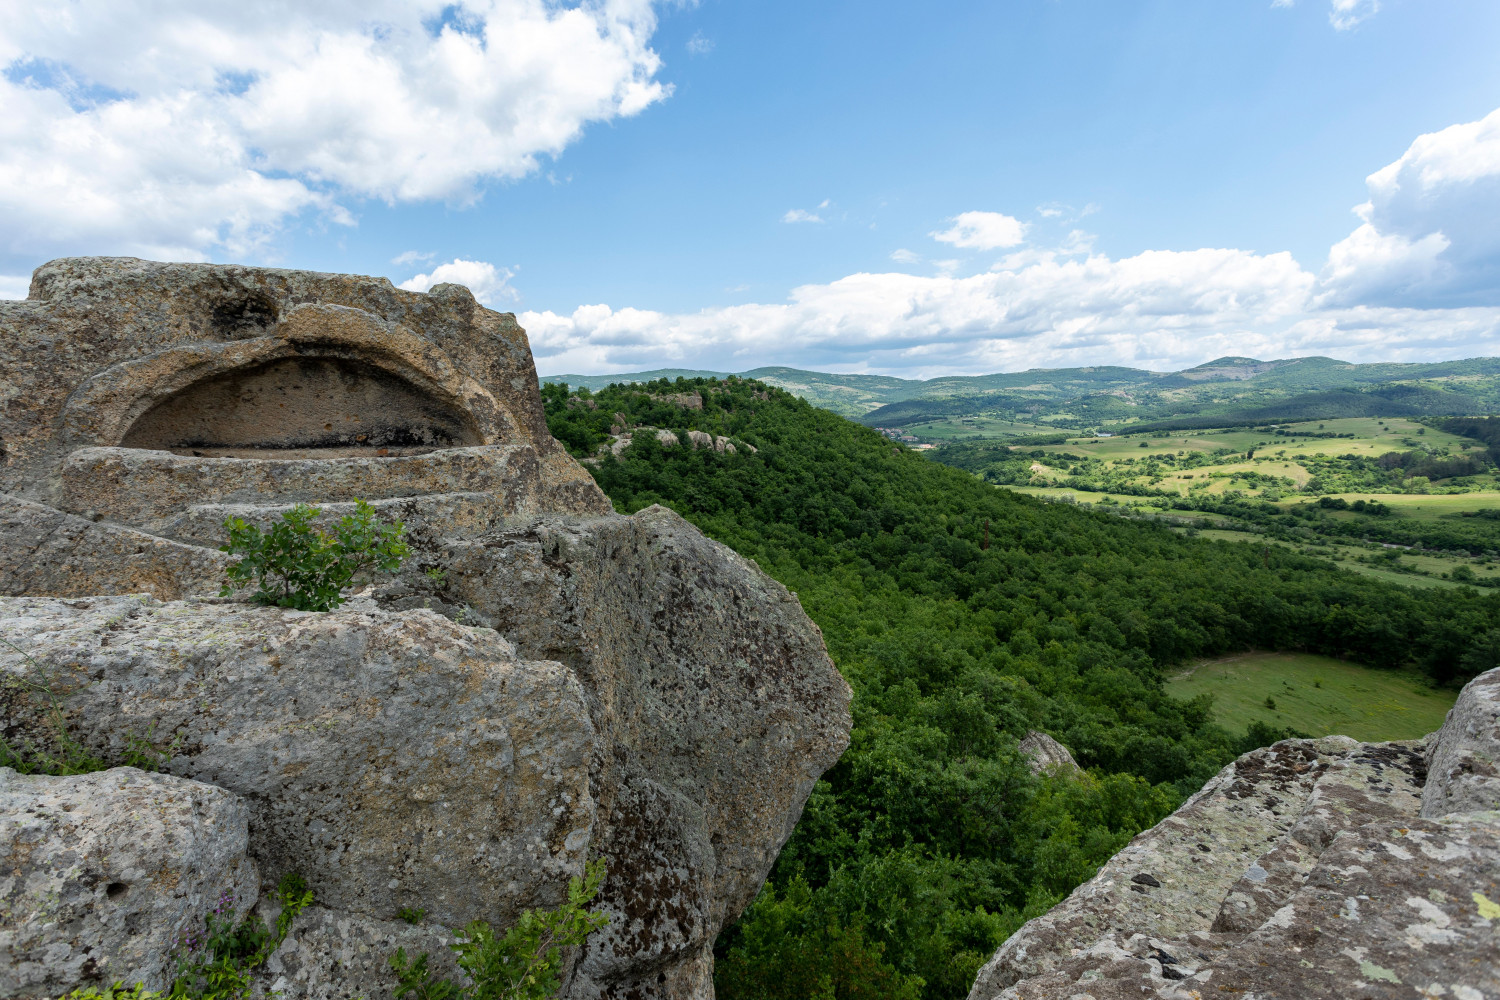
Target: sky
{"x":912,"y":189}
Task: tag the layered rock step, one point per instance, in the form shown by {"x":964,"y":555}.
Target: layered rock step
{"x":158,"y":491}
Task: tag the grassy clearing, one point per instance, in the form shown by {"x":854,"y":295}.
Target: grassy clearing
{"x":1316,"y":695}
{"x":1279,"y":455}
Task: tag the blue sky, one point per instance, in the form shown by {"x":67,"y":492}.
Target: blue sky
{"x":904,"y":188}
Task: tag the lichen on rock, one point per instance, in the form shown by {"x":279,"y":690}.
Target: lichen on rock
{"x":1309,"y":869}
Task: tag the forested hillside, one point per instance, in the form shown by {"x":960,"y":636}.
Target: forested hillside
{"x":964,"y":615}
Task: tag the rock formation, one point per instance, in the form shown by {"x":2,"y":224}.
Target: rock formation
{"x":545,"y":683}
{"x":1311,"y":869}
{"x":1045,"y":755}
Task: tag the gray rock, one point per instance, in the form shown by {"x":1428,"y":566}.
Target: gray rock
{"x":206,"y":362}
{"x":390,"y":759}
{"x":105,"y":873}
{"x":716,"y":706}
{"x":1045,"y":755}
{"x":1464,"y":760}
{"x":335,"y":955}
{"x":1301,"y":871}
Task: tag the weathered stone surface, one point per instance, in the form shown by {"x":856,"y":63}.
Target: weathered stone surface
{"x":101,"y":875}
{"x":715,"y":703}
{"x":697,"y":709}
{"x":1393,"y":909}
{"x":335,"y":955}
{"x":390,"y":759}
{"x":670,"y":707}
{"x":208,"y":360}
{"x":1465,"y":758}
{"x":45,"y":551}
{"x":1047,"y":756}
{"x":1301,"y":871}
{"x":152,"y":489}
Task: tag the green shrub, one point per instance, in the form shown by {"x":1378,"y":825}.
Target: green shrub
{"x":119,"y":991}
{"x":521,"y":964}
{"x":296,"y":565}
{"x":219,"y":963}
{"x":411,"y":914}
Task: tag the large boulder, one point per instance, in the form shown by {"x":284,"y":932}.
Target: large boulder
{"x":390,"y":759}
{"x":715,"y":704}
{"x":546,"y":681}
{"x":105,"y":876}
{"x":1309,"y":869}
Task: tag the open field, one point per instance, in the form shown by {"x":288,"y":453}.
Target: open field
{"x":1316,"y":695}
{"x":1215,"y":462}
{"x":1424,"y":568}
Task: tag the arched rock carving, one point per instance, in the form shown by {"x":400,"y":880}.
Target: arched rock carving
{"x":301,"y":404}
{"x":341,"y":358}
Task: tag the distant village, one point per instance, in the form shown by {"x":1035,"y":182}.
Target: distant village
{"x":897,"y":434}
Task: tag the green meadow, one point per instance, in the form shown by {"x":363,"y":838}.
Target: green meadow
{"x":1316,"y":695}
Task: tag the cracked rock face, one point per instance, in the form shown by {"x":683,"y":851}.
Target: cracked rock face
{"x":102,"y":875}
{"x":1307,"y":870}
{"x":546,"y":682}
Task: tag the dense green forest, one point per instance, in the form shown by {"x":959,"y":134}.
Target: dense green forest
{"x":964,"y":615}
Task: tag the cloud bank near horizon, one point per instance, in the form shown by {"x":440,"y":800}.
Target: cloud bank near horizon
{"x":1418,"y":279}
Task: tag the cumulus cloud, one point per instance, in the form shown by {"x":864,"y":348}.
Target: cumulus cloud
{"x":490,"y":284}
{"x":1154,"y":308}
{"x":170,"y":128}
{"x":795,"y":215}
{"x":982,"y":231}
{"x":1428,"y":235}
{"x":1065,"y":305}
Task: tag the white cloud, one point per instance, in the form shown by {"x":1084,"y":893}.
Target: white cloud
{"x":1418,"y":280}
{"x":1035,"y":307}
{"x":14,"y":286}
{"x":1157,"y":308}
{"x":1428,"y":235}
{"x":171,"y":128}
{"x":490,"y":284}
{"x":1345,"y":14}
{"x":411,"y":257}
{"x":982,"y":231}
{"x":699,"y":46}
{"x":800,"y":215}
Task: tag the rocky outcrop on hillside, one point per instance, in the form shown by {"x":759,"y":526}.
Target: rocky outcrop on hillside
{"x":1044,"y":755}
{"x":547,"y":682}
{"x":1311,"y":869}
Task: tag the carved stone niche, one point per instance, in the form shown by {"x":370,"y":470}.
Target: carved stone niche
{"x":165,"y":396}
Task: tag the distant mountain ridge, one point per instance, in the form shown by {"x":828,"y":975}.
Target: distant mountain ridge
{"x":1112,"y":396}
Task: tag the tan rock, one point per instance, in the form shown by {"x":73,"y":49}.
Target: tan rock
{"x":651,"y":697}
